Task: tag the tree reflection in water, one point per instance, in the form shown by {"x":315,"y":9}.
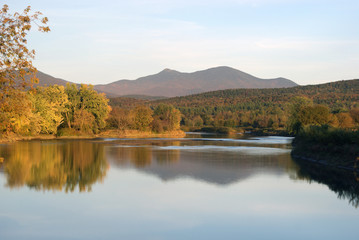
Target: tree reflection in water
{"x":141,"y":155}
{"x":344,"y":183}
{"x":54,"y":165}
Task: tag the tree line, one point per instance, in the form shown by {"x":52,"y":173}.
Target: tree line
{"x":336,"y":104}
{"x":48,"y":110}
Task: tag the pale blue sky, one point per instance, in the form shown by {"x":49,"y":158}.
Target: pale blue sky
{"x":307,"y":41}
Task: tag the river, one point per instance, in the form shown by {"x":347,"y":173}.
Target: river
{"x":199,"y":187}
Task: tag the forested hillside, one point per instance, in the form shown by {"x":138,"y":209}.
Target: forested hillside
{"x":341,"y":94}
{"x":260,"y":108}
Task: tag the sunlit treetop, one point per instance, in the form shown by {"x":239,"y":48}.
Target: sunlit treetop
{"x":16,"y":68}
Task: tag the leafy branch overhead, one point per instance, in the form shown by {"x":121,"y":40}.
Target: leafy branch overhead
{"x":16,"y":58}
{"x":16,"y":68}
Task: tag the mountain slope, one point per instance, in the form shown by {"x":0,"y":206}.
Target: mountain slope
{"x":48,"y":80}
{"x":172,"y":83}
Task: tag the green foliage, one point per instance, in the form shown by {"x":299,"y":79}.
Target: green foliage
{"x":49,"y":105}
{"x":167,"y":118}
{"x":96,"y":104}
{"x":83,"y":102}
{"x":331,"y":145}
{"x":142,"y":118}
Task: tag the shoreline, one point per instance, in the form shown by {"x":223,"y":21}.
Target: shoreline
{"x":326,"y":163}
{"x":105,"y":134}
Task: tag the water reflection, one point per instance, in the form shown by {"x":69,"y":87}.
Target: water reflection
{"x":344,"y":183}
{"x":65,"y":165}
{"x":220,"y":164}
{"x":54,"y":165}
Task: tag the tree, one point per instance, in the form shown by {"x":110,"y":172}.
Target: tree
{"x":16,"y":69}
{"x":84,"y":121}
{"x":167,"y":117}
{"x":74,"y":101}
{"x":354,"y":113}
{"x":120,"y":118}
{"x":142,"y":117}
{"x":49,"y":104}
{"x":345,"y":120}
{"x":96,"y":104}
{"x":16,"y":116}
{"x":86,"y":98}
{"x":297,"y":104}
{"x":313,"y":115}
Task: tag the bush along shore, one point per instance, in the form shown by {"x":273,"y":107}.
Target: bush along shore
{"x":328,"y":146}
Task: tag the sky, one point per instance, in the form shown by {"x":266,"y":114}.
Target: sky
{"x":98,"y":42}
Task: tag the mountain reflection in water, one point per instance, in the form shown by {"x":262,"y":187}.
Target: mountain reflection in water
{"x":219,"y":165}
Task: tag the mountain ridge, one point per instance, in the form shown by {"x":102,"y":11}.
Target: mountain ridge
{"x":172,"y":83}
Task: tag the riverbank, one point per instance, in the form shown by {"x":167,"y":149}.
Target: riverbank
{"x":104,"y":134}
{"x":140,"y":134}
{"x":232,"y":131}
{"x":331,"y":147}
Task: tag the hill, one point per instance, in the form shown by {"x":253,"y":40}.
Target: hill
{"x":263,"y":108}
{"x":48,"y":80}
{"x":171,"y":83}
{"x":340,"y":94}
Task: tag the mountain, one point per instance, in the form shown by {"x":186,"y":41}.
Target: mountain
{"x":171,"y":83}
{"x":48,"y":80}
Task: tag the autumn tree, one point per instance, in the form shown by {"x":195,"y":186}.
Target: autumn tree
{"x":16,"y":68}
{"x":49,"y":104}
{"x":313,"y":115}
{"x":96,"y":104}
{"x":167,"y":117}
{"x":142,"y":117}
{"x":120,"y":118}
{"x":354,"y":113}
{"x":84,"y":121}
{"x":16,"y":115}
{"x":297,"y":104}
{"x":85,"y":101}
{"x":345,"y":120}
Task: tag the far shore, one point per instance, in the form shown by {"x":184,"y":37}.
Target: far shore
{"x":105,"y":134}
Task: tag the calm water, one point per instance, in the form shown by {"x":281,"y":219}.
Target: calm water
{"x":200,"y":187}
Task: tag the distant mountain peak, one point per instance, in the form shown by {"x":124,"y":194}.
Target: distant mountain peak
{"x":168,"y":70}
{"x":171,"y":83}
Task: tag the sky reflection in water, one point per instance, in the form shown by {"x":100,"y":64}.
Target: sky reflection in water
{"x":173,"y":189}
